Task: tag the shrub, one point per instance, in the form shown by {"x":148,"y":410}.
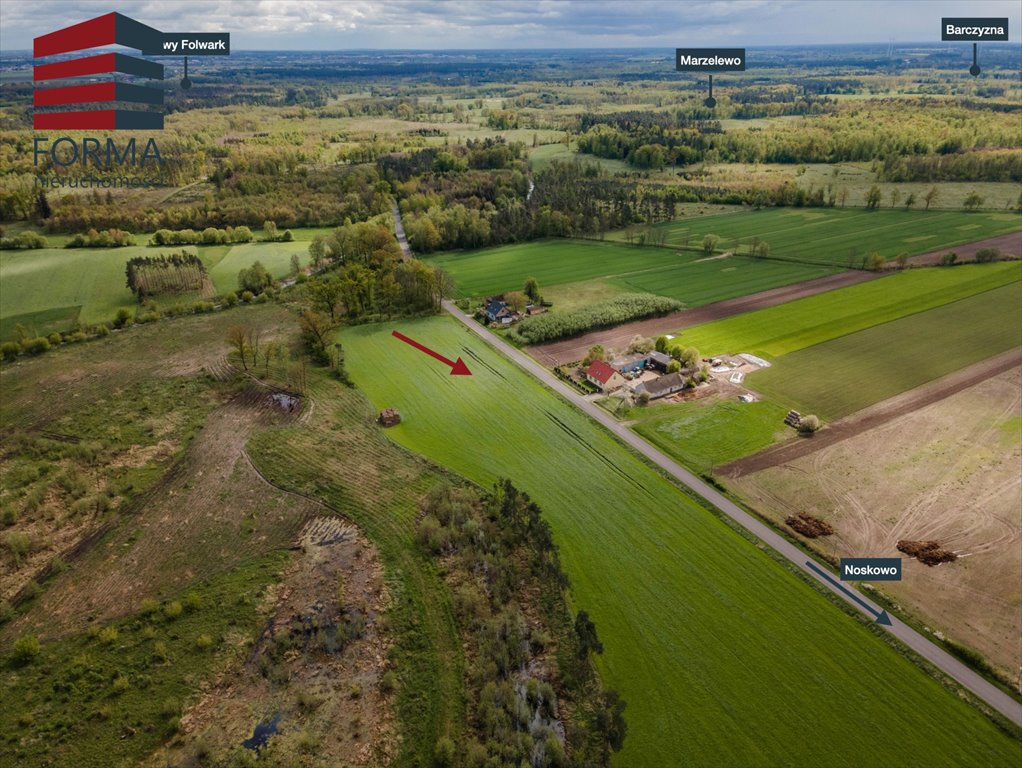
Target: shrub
{"x":102,"y":330}
{"x":108,"y":635}
{"x":204,"y":642}
{"x":149,"y":606}
{"x":255,"y":278}
{"x":247,"y":296}
{"x":172,"y":610}
{"x":35,"y":346}
{"x":122,"y":318}
{"x":986,"y":255}
{"x":54,"y":339}
{"x":9,"y":350}
{"x":160,"y":652}
{"x":192,"y":601}
{"x":26,"y":649}
{"x":809,"y":424}
{"x":388,"y":683}
{"x":18,"y":544}
{"x":231,"y":299}
{"x":23,"y":241}
{"x":120,"y":684}
{"x":443,"y":753}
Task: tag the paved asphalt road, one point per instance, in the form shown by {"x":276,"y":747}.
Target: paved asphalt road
{"x":992,"y":695}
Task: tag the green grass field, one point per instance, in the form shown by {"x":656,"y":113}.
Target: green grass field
{"x":788,"y":327}
{"x":48,"y":289}
{"x":49,"y":278}
{"x":841,"y":376}
{"x":842,"y":237}
{"x":705,"y":433}
{"x":681,"y":276}
{"x":724,"y":657}
{"x":276,"y":257}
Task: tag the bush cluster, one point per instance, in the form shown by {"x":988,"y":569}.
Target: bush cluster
{"x":621,"y":309}
{"x":208,"y":236}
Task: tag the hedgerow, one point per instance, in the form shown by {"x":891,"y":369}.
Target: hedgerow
{"x":630,"y":306}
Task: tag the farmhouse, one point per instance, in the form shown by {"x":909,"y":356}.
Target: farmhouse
{"x":604,"y":376}
{"x":629,"y":364}
{"x":665,"y":385}
{"x":498,"y":312}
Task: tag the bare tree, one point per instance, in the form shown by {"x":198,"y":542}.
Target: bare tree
{"x":237,"y":337}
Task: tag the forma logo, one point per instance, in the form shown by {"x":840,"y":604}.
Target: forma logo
{"x":96,"y":90}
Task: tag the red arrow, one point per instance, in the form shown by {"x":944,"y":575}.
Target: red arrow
{"x":458,"y":367}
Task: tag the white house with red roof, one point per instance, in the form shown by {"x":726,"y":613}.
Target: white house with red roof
{"x":604,"y":376}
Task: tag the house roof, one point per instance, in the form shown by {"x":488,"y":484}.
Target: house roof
{"x":622,"y":362}
{"x":495,"y":306}
{"x":600,"y":371}
{"x":660,"y":357}
{"x":665,"y":384}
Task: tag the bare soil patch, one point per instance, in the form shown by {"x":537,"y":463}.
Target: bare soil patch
{"x":571,"y":350}
{"x":927,"y":552}
{"x":1010,"y":245}
{"x":945,"y":475}
{"x":210,"y":511}
{"x":809,"y":526}
{"x":874,"y":416}
{"x":317,"y":668}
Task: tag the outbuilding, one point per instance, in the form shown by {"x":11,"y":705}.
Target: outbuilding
{"x":662,"y":387}
{"x":629,"y":364}
{"x":659,"y":361}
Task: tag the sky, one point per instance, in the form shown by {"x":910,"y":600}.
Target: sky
{"x":481,"y":24}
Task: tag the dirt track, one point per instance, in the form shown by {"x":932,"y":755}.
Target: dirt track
{"x":569,"y":350}
{"x":1010,"y":245}
{"x":875,"y":415}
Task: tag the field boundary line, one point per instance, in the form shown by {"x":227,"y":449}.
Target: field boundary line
{"x":875,"y":415}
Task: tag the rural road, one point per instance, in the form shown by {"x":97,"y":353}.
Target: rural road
{"x":399,"y":230}
{"x":974,"y":682}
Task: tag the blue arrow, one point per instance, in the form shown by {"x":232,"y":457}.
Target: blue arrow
{"x":881,"y":618}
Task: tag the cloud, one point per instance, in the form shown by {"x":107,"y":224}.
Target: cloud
{"x":438,"y":24}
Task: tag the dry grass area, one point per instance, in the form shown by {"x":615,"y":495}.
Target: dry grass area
{"x":208,"y":513}
{"x":328,"y":699}
{"x":948,"y":472}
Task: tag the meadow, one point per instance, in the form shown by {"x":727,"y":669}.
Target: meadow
{"x":48,"y":289}
{"x":705,"y":433}
{"x":722,"y":657}
{"x":838,"y":377}
{"x":677,"y":275}
{"x":802,"y":323}
{"x":276,"y":257}
{"x":841,"y":237}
